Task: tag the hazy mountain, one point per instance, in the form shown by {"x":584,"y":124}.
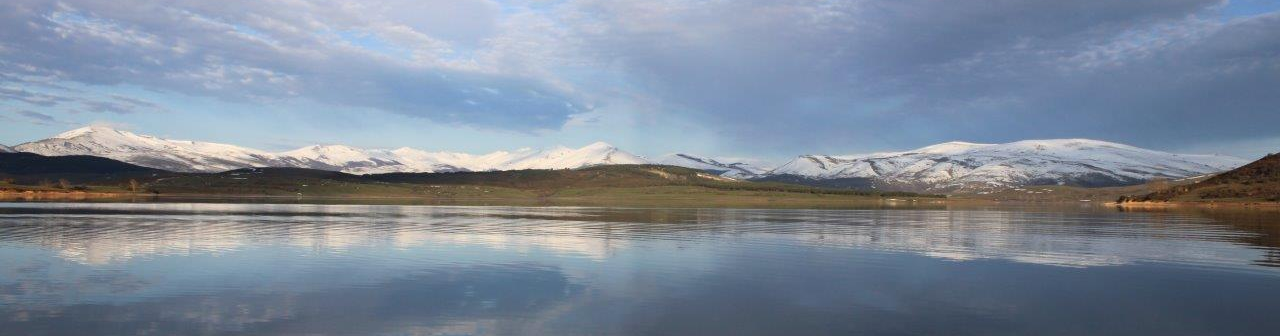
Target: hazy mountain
{"x":598,"y":153}
{"x":962,"y":166}
{"x":723,"y":167}
{"x":343,"y":158}
{"x":7,"y":149}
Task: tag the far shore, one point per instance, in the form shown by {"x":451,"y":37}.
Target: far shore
{"x":712,"y":200}
{"x":718,"y":200}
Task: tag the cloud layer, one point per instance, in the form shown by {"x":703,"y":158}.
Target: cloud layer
{"x":801,"y":74}
{"x":344,"y":53}
{"x":851,"y":71}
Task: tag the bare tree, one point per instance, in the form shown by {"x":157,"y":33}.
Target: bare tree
{"x":64,"y":184}
{"x":133,"y":185}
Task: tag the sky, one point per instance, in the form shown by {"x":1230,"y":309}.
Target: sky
{"x":745,"y":78}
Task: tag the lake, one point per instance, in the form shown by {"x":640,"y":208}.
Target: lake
{"x":296,"y":269}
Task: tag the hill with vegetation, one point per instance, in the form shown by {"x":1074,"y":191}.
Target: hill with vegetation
{"x":596,"y":185}
{"x":35,"y":169}
{"x":612,"y":176}
{"x":1257,"y":181}
{"x":611,"y":185}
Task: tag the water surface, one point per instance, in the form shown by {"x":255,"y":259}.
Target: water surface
{"x":262,"y":269}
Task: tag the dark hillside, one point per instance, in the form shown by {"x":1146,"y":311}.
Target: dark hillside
{"x":28,"y":168}
{"x":1257,"y":181}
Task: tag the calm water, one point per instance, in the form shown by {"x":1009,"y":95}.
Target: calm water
{"x":191,"y":269}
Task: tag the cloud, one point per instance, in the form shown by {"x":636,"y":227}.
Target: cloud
{"x":119,"y":105}
{"x":351,"y":53}
{"x":834,"y":73}
{"x":40,"y":118}
{"x":781,"y":75}
{"x":31,"y":97}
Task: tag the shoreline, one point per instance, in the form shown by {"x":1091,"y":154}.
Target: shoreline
{"x":743,"y":200}
{"x":1198,"y":204}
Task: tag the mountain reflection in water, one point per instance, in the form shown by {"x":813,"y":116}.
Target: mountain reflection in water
{"x":366,"y":269}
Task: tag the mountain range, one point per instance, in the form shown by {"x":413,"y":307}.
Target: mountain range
{"x":947,"y":167}
{"x":195,"y":156}
{"x":963,"y":166}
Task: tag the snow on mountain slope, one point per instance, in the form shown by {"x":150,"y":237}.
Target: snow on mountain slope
{"x":6,"y":149}
{"x":723,"y":167}
{"x":374,"y":161}
{"x":424,"y":161}
{"x":952,"y":166}
{"x":959,"y":166}
{"x":598,"y":153}
{"x":174,"y":155}
{"x":192,"y":156}
{"x":344,"y":158}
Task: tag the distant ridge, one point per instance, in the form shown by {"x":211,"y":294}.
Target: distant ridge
{"x":731,"y":168}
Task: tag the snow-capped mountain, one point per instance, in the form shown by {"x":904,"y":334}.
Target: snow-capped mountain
{"x":6,"y":149}
{"x":375,"y":161}
{"x":598,"y":153}
{"x":960,"y":166}
{"x":952,"y":166}
{"x":735,"y":168}
{"x":149,"y":151}
{"x":344,"y":158}
{"x":193,"y":156}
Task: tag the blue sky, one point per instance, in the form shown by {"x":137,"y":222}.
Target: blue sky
{"x":747,"y":78}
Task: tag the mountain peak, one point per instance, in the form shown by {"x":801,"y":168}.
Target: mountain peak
{"x":327,"y":148}
{"x":598,"y":145}
{"x":148,"y":151}
{"x":329,"y":153}
{"x":87,"y":130}
{"x":950,"y":147}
